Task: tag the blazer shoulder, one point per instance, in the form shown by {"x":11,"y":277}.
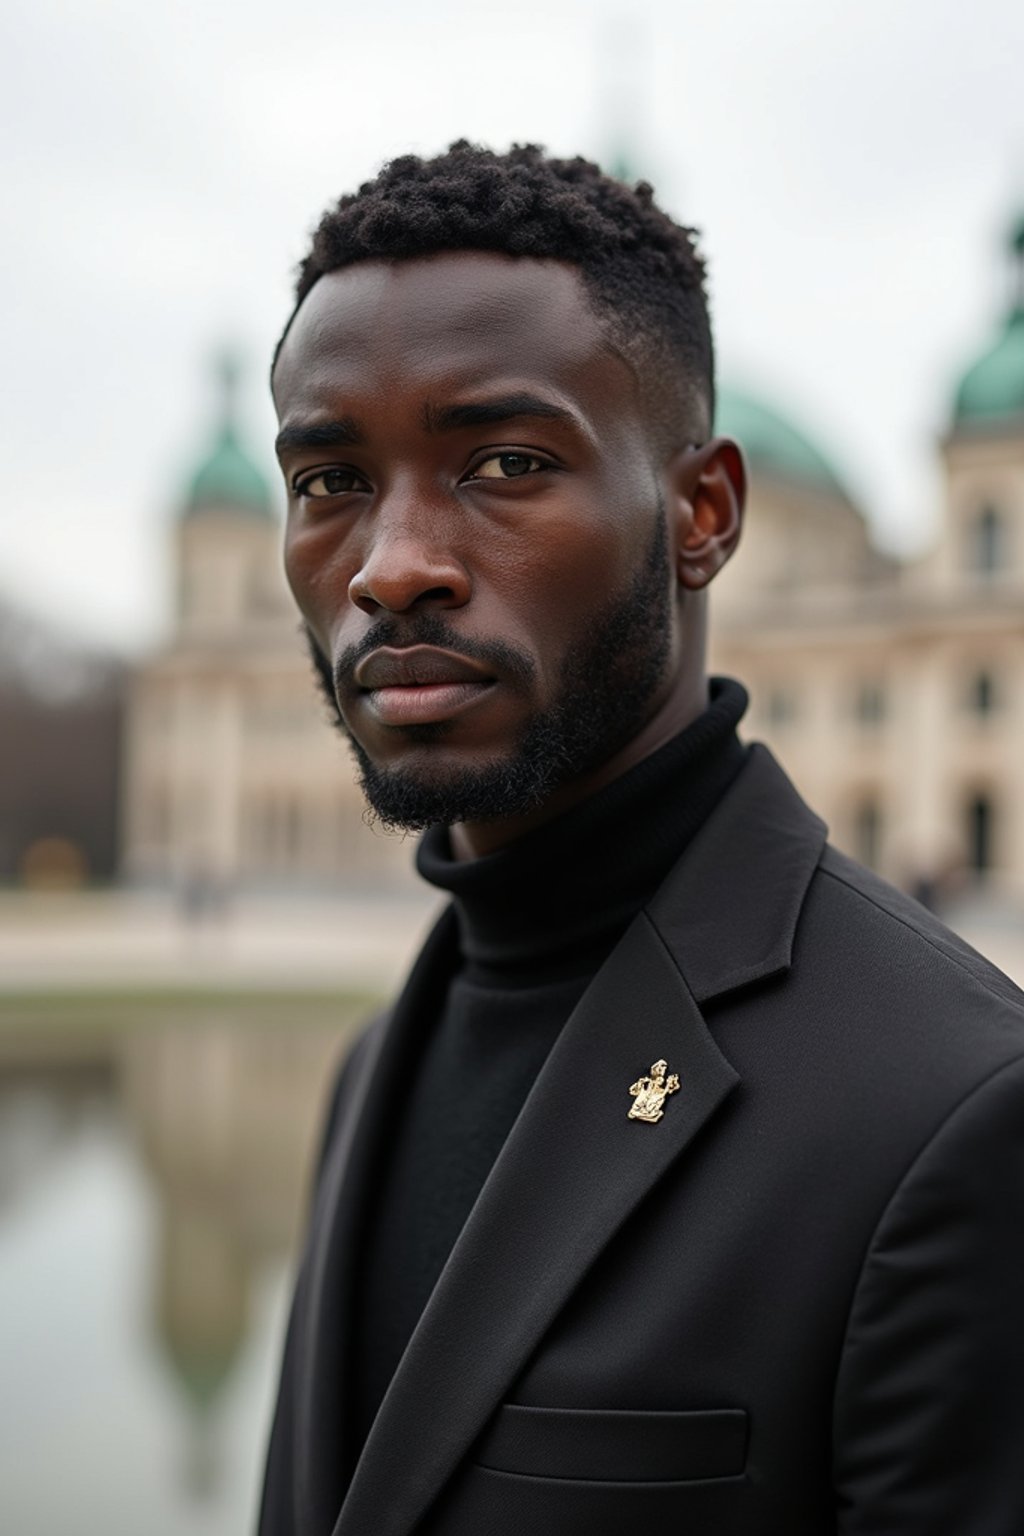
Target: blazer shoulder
{"x":913,"y":932}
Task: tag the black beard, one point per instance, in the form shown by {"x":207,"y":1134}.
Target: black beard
{"x":608,"y":680}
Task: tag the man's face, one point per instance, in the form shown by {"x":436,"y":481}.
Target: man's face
{"x":475,"y":532}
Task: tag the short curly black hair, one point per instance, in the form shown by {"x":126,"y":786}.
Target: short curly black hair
{"x":643,"y":273}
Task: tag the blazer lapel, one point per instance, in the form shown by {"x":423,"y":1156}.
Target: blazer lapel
{"x":573,"y":1168}
{"x":730,"y":908}
{"x":347,"y":1183}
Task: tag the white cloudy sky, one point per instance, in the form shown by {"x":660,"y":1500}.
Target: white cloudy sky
{"x":853,"y":167}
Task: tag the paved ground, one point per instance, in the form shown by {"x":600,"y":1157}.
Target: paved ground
{"x":119,"y":939}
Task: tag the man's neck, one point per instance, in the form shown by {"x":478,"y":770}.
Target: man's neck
{"x":687,"y":699}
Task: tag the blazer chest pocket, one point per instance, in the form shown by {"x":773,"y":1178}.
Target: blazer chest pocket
{"x":611,"y":1445}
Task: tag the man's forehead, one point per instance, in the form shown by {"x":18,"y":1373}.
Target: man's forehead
{"x":465,"y":308}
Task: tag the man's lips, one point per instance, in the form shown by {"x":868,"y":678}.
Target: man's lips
{"x":417,"y":666}
{"x":420,"y":685}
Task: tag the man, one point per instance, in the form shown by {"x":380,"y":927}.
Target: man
{"x":683,"y":1187}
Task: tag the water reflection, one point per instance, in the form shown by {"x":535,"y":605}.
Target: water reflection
{"x":151,"y":1188}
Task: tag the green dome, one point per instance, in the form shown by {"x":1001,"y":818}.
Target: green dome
{"x":994,"y":386}
{"x":772,"y":443}
{"x":228,"y":477}
{"x":992,"y":389}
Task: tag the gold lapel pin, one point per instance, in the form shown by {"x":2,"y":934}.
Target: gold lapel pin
{"x":650,"y":1093}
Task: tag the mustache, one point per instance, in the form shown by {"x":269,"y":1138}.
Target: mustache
{"x":430,"y":629}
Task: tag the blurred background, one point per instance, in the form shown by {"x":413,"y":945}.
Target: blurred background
{"x":193,"y":915}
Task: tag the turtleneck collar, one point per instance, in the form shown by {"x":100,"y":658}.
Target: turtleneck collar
{"x":552,"y":903}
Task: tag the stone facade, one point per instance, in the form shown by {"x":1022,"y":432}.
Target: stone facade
{"x":895,"y":694}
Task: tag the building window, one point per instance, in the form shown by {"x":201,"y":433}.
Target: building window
{"x":980,"y":841}
{"x":870,"y":704}
{"x":988,"y":542}
{"x":867,"y":832}
{"x":983,"y":698}
{"x":780,"y":706}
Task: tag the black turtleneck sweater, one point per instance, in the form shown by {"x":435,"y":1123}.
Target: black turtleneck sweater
{"x":536,"y":921}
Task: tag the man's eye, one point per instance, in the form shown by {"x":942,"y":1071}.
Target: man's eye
{"x":329,"y":482}
{"x":508,"y":466}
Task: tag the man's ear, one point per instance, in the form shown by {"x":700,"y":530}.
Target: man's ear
{"x":708,"y":487}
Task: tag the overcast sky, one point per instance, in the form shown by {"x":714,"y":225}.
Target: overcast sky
{"x":853,"y":168}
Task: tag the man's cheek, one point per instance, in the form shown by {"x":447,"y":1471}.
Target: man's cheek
{"x":318,"y":585}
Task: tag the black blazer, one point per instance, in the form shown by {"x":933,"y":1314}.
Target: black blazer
{"x":793,"y":1305}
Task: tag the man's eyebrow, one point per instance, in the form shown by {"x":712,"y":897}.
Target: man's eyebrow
{"x":485,"y":413}
{"x":343,"y":433}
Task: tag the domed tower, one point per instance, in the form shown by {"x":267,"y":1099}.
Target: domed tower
{"x":982,"y":545}
{"x":233,"y":635}
{"x":227,"y":534}
{"x":233,"y":779}
{"x":970,"y":691}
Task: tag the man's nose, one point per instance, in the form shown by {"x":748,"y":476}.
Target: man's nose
{"x":411,"y":560}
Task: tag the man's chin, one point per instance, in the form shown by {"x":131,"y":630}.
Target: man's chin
{"x":405,"y":799}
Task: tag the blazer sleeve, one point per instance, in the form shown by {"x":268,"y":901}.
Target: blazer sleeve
{"x":929,"y":1409}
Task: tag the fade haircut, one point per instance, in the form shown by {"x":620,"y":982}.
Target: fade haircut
{"x":642,"y":272}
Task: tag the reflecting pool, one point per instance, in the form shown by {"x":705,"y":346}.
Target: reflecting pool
{"x":152,"y":1181}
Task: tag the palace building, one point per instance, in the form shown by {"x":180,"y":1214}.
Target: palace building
{"x":892,"y":691}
